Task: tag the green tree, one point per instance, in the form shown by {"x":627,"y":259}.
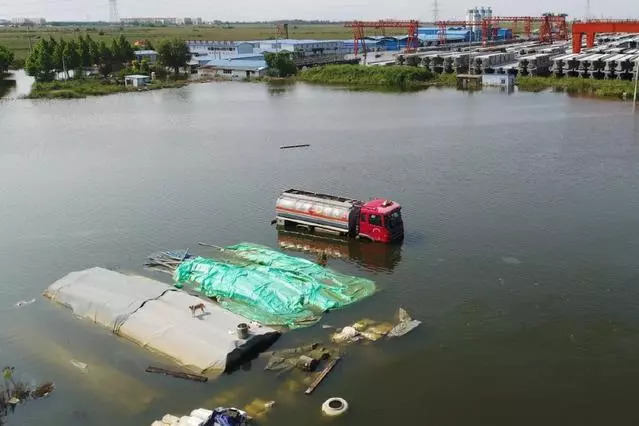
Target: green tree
{"x":84,"y":49}
{"x":145,"y":66}
{"x":40,"y":62}
{"x":173,"y":53}
{"x":148,"y":45}
{"x":72,"y":59}
{"x":105,"y":62}
{"x":280,"y":64}
{"x":6,"y":58}
{"x":58,"y":48}
{"x":94,"y":50}
{"x":121,"y":50}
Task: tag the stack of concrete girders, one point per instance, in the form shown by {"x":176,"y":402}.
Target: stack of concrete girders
{"x":598,"y":65}
{"x":488,"y":63}
{"x":537,"y":64}
{"x":426,"y":59}
{"x":560,"y":64}
{"x":625,"y":67}
{"x":437,"y":64}
{"x":510,"y":68}
{"x":610,"y":67}
{"x":460,"y":63}
{"x":584,"y":64}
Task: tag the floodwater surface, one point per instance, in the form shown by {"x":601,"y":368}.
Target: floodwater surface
{"x":522,"y":238}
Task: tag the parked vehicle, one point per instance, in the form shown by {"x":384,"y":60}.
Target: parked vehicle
{"x":376,"y":220}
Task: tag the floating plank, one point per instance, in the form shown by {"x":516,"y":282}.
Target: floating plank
{"x":321,"y":376}
{"x":178,"y":374}
{"x":304,"y":145}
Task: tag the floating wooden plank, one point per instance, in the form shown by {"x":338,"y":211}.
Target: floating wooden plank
{"x":178,"y":374}
{"x":304,"y":145}
{"x":321,"y":376}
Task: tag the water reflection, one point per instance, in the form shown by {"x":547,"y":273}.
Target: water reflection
{"x":15,"y":84}
{"x":277,"y":88}
{"x":374,"y":256}
{"x":6,"y":86}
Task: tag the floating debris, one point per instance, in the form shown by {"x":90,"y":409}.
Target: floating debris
{"x":321,"y":376}
{"x":80,"y":365}
{"x":406,"y":324}
{"x":304,"y":145}
{"x":511,"y":260}
{"x":24,"y":302}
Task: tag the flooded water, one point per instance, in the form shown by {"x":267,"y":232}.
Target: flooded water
{"x":522,"y":238}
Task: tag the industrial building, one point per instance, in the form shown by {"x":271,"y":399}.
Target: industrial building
{"x":219,"y":49}
{"x":238,"y":68}
{"x":149,"y":55}
{"x":302,"y":48}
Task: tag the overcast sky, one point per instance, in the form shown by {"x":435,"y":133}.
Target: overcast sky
{"x":253,"y":10}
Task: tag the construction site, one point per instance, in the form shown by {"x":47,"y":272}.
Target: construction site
{"x":518,"y":45}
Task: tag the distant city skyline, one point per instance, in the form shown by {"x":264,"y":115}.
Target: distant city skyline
{"x":259,"y":10}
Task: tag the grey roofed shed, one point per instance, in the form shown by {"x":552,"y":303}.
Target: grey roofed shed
{"x":157,"y":316}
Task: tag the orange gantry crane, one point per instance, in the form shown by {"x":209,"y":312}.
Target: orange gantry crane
{"x":592,"y":27}
{"x":551,"y":27}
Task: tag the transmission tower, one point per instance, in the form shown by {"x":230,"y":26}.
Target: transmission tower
{"x":114,"y":17}
{"x":435,"y":11}
{"x":588,"y":9}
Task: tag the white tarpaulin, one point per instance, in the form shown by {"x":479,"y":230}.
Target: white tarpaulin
{"x":156,"y":316}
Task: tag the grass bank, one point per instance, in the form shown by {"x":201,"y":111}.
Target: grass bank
{"x":397,"y":77}
{"x":618,"y":89}
{"x":77,"y":89}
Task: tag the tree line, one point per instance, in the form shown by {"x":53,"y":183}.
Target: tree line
{"x":49,"y":57}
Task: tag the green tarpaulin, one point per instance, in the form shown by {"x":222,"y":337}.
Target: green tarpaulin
{"x":270,"y":287}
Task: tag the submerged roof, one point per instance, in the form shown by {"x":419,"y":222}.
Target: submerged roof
{"x":154,"y":315}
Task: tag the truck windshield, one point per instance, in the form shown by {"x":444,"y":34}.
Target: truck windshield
{"x":394,"y":219}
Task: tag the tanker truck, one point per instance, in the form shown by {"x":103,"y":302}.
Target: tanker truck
{"x":375,"y":220}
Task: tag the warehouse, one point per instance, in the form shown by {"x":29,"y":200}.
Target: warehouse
{"x":303,"y":48}
{"x":234,"y":68}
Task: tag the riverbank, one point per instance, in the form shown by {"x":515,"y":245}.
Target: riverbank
{"x":78,"y":89}
{"x":394,"y":77}
{"x":619,"y":89}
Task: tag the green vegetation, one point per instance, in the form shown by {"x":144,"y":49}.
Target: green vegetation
{"x":51,"y":56}
{"x":76,"y":89}
{"x":6,"y":59}
{"x":280,"y":64}
{"x":173,"y":53}
{"x":84,"y":56}
{"x":399,"y":77}
{"x":581,"y":86}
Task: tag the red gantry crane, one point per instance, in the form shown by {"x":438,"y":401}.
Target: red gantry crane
{"x":592,"y":27}
{"x":358,"y":27}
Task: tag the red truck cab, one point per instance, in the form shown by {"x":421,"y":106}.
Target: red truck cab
{"x":381,"y":220}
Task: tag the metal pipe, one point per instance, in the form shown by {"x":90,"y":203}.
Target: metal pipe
{"x":634,"y":101}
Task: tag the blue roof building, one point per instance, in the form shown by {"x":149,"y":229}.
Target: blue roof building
{"x":236,"y":68}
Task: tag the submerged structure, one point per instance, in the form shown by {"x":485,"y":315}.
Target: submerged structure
{"x":158,"y":317}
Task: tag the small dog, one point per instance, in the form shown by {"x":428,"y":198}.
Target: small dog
{"x":194,"y":308}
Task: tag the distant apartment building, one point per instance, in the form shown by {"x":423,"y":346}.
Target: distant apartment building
{"x":161,"y":21}
{"x":28,"y":21}
{"x":150,"y":20}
